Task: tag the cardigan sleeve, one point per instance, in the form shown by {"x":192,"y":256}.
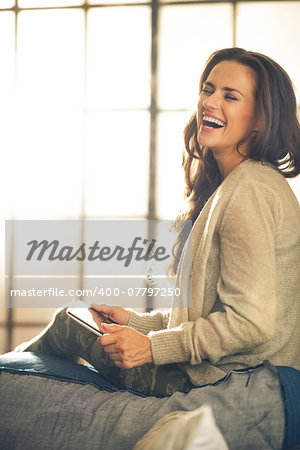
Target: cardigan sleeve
{"x":146,"y":322}
{"x":246,"y":285}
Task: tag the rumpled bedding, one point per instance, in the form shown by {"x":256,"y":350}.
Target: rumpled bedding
{"x":43,"y":412}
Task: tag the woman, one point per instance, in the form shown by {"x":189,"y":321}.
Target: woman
{"x":243,"y":141}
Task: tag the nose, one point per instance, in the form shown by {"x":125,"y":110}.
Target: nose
{"x":211,"y":102}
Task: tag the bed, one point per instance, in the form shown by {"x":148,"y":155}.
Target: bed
{"x":47,"y":402}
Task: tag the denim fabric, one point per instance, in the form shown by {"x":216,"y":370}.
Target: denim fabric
{"x":290,"y":382}
{"x":53,"y":367}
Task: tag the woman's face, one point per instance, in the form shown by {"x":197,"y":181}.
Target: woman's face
{"x":226,"y":107}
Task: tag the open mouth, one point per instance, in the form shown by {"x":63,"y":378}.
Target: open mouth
{"x":211,"y":122}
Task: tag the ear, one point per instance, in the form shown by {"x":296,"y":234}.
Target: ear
{"x":255,"y":128}
{"x":255,"y":125}
{"x":253,"y":132}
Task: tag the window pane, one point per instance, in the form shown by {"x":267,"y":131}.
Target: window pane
{"x":170,"y":189}
{"x":188,"y":35}
{"x":196,"y":1}
{"x":3,"y":287}
{"x":117,"y":164}
{"x":49,"y":130}
{"x":3,"y":335}
{"x":7,"y":62}
{"x":7,"y":3}
{"x":7,"y":79}
{"x":48,"y":173}
{"x":277,"y":33}
{"x":118,"y":57}
{"x":107,"y":2}
{"x":46,"y":3}
{"x":50,"y":64}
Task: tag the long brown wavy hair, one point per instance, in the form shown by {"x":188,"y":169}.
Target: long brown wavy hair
{"x":277,"y":141}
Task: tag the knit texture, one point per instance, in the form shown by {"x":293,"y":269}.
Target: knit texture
{"x":245,"y":282}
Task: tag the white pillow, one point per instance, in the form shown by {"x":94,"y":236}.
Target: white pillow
{"x":184,"y":430}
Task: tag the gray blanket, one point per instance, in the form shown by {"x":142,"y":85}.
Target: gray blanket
{"x":43,"y":413}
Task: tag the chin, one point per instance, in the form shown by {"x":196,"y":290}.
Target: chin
{"x":201,"y":140}
{"x":204,"y":142}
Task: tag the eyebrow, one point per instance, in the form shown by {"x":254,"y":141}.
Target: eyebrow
{"x":227,"y":89}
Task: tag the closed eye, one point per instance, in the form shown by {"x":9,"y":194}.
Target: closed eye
{"x":230,"y":97}
{"x":206,"y":90}
{"x":209,"y":91}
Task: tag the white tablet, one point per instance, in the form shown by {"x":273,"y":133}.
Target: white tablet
{"x":83,"y":316}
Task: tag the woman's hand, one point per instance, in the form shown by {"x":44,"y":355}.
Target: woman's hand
{"x":126,"y":347}
{"x":109,"y":314}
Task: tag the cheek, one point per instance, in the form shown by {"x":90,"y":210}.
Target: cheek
{"x":248,"y":117}
{"x":198,"y":115}
{"x":199,"y":112}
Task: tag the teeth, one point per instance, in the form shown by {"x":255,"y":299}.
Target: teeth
{"x":211,"y":119}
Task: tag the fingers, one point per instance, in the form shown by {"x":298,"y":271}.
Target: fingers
{"x":103,"y":309}
{"x":99,"y":318}
{"x":109,"y":314}
{"x":104,"y":314}
{"x":112,"y":327}
{"x":112,"y":314}
{"x":126,"y":347}
{"x":108,"y":339}
{"x":96,"y":317}
{"x":114,"y":343}
{"x":112,"y":346}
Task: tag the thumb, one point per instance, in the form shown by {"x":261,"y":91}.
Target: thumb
{"x":110,"y":327}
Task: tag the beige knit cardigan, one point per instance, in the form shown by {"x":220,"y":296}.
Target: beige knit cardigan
{"x":245,"y":282}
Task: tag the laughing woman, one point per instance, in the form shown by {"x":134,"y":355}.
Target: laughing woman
{"x":241,"y":144}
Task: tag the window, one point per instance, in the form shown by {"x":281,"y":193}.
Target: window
{"x":94,"y":98}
